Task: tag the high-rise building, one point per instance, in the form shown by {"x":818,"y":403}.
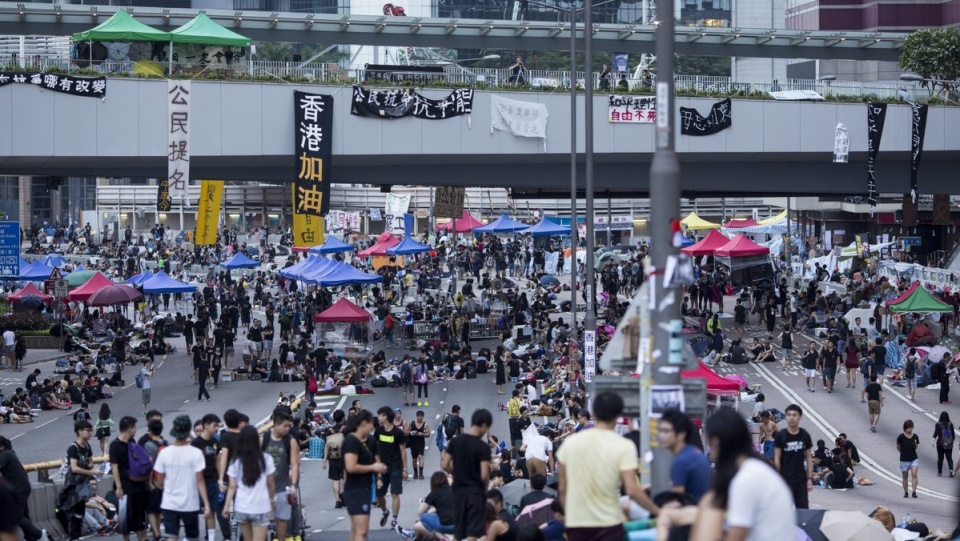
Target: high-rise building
{"x":871,"y":15}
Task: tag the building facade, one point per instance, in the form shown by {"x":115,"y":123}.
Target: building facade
{"x":871,"y":15}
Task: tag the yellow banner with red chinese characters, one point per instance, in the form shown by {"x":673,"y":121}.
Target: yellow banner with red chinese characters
{"x":208,"y":213}
{"x":307,"y":228}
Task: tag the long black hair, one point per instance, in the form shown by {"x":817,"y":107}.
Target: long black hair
{"x":728,"y":432}
{"x":250,"y":455}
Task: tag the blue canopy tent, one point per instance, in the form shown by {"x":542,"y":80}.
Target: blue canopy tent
{"x":240,"y":261}
{"x":79,"y":268}
{"x":162,"y":283}
{"x":54,"y":260}
{"x":407,"y":246}
{"x":293,"y":271}
{"x":332,"y":245}
{"x":137,"y":280}
{"x":503,"y":224}
{"x":321,"y":268}
{"x":345,"y":274}
{"x":35,"y":271}
{"x":547,"y":228}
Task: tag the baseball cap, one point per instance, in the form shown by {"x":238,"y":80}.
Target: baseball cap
{"x":181,"y":427}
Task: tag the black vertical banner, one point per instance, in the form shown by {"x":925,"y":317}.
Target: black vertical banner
{"x":876,"y":114}
{"x":313,"y":147}
{"x":916,"y":144}
{"x":163,"y":196}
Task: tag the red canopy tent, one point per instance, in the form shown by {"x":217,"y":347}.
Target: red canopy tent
{"x":343,"y":311}
{"x":708,"y":244}
{"x":737,"y":223}
{"x":464,"y":223}
{"x":740,"y":246}
{"x":94,"y":284}
{"x":29,"y":290}
{"x":384,"y":241}
{"x":715,"y":383}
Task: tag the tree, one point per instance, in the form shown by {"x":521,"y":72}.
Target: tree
{"x":718,"y":66}
{"x":933,"y":55}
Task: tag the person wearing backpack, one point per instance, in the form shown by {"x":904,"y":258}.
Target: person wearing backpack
{"x":285,"y":451}
{"x":143,"y":383}
{"x":131,"y":467}
{"x":940,"y":372}
{"x":422,"y":379}
{"x":944,"y":439}
{"x":910,"y":365}
{"x":73,"y":496}
{"x":333,"y":454}
{"x":82,"y":414}
{"x":453,"y":424}
{"x":406,"y":380}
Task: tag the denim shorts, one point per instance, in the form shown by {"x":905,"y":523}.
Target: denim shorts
{"x":907,"y":466}
{"x":431,"y":522}
{"x":257,"y":519}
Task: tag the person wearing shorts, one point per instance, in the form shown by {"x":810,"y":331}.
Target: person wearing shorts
{"x":907,"y":444}
{"x":361,"y":469}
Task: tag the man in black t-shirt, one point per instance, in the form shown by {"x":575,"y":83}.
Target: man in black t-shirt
{"x":392,"y":451}
{"x":136,"y":491}
{"x":468,"y":459}
{"x":739,"y":318}
{"x":11,"y":471}
{"x":793,"y":457}
{"x":210,"y":447}
{"x":879,"y":353}
{"x":829,"y":358}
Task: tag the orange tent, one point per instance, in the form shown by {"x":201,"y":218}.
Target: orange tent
{"x":94,"y":284}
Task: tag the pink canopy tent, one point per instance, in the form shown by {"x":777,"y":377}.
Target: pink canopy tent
{"x":464,"y":224}
{"x":737,"y":224}
{"x":715,"y":383}
{"x":384,"y":241}
{"x":740,"y":246}
{"x":708,"y":244}
{"x":29,"y":290}
{"x":343,"y":311}
{"x":94,"y":284}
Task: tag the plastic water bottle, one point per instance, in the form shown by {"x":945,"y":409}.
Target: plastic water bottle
{"x":906,"y":520}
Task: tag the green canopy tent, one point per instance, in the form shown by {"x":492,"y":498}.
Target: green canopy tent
{"x":121,"y":27}
{"x":203,"y":30}
{"x":921,"y":301}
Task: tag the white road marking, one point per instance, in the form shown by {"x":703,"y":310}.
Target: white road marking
{"x":913,"y":405}
{"x":829,"y":429}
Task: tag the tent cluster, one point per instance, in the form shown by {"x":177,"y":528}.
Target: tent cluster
{"x":327,"y":273}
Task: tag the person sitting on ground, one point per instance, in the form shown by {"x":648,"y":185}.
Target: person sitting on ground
{"x":756,"y":348}
{"x":738,"y":355}
{"x":839,"y":474}
{"x":766,"y":354}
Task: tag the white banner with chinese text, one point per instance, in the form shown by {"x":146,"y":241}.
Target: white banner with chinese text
{"x":338,"y":219}
{"x":521,"y":118}
{"x":632,"y":109}
{"x":178,"y":140}
{"x":397,"y":205}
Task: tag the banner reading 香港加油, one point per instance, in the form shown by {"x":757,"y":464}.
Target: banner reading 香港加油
{"x":313,"y":150}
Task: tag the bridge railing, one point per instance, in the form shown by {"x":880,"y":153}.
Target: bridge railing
{"x":451,"y":74}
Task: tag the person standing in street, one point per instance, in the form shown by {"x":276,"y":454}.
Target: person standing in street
{"x":793,"y":457}
{"x":940,"y":372}
{"x":12,"y":472}
{"x":135,"y":490}
{"x":360,"y":465}
{"x":809,"y":363}
{"x":944,"y":439}
{"x":907,"y":444}
{"x":417,"y":434}
{"x":690,"y":472}
{"x":202,"y":372}
{"x":829,"y":358}
{"x":874,"y":401}
{"x":285,"y":451}
{"x":594,"y":465}
{"x":75,"y":493}
{"x":392,"y":451}
{"x":251,"y":496}
{"x":179,"y":473}
{"x":209,"y":447}
{"x":9,"y":341}
{"x":145,"y":374}
{"x":468,"y":459}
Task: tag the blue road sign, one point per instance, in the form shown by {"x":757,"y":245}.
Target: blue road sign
{"x":10,"y":250}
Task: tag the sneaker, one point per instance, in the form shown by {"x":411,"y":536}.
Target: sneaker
{"x":393,"y":524}
{"x":427,"y":404}
{"x":914,"y":494}
{"x":873,"y":429}
{"x":408,"y":535}
{"x":905,"y":495}
{"x":383,"y":519}
{"x":419,"y":404}
{"x":339,"y":505}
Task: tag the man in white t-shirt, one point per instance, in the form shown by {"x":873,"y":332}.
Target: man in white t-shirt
{"x":145,"y":374}
{"x":9,"y":338}
{"x":178,"y":471}
{"x":538,"y":450}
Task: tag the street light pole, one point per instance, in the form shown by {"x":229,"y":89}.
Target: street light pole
{"x":573,"y":175}
{"x":590,"y":318}
{"x":664,"y":208}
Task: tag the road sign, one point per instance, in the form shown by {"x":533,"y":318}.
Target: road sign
{"x":60,"y":289}
{"x":9,"y":249}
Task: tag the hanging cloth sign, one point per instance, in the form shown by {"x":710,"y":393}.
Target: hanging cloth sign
{"x":521,"y":118}
{"x":313,"y":150}
{"x":405,"y":102}
{"x":876,"y":114}
{"x":916,"y":144}
{"x":163,"y":196}
{"x":841,"y":144}
{"x":178,"y":140}
{"x":208,"y":212}
{"x":90,"y":87}
{"x":632,"y":109}
{"x":719,"y":119}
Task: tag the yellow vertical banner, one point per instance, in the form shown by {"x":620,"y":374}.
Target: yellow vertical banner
{"x":307,"y":228}
{"x":208,"y":213}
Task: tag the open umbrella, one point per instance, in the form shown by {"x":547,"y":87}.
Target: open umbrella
{"x":852,"y":526}
{"x":75,"y":279}
{"x":139,"y":50}
{"x":549,"y":281}
{"x":116,"y":294}
{"x":118,"y":51}
{"x":809,"y":521}
{"x":30,"y":303}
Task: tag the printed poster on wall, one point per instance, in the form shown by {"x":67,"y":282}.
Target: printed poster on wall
{"x":208,"y":213}
{"x":178,"y":140}
{"x":632,"y":109}
{"x":308,"y":230}
{"x":313,"y":149}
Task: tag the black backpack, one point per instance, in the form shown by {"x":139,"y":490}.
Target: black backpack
{"x":406,"y":373}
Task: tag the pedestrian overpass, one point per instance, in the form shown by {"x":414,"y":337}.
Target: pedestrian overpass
{"x":244,"y":131}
